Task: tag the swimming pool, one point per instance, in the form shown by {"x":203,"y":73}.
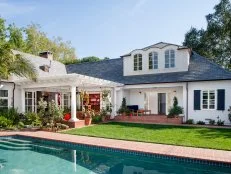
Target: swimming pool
{"x":24,"y":155}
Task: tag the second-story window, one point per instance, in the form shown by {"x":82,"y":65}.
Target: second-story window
{"x":137,"y":62}
{"x":169,"y":59}
{"x":153,"y":60}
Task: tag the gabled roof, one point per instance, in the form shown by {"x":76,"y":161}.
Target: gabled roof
{"x":159,"y":45}
{"x":200,"y":69}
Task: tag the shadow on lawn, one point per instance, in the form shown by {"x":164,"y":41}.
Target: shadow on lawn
{"x":204,"y":132}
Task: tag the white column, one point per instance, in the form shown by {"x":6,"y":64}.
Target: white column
{"x":22,"y":100}
{"x":73,"y":104}
{"x":114,"y":104}
{"x":185,"y":101}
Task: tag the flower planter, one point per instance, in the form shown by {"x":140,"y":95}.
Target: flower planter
{"x":88,"y":121}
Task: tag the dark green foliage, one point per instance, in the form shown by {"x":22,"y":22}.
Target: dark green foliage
{"x":11,"y":114}
{"x":97,"y":119}
{"x":123,"y":108}
{"x":215,"y":41}
{"x":201,"y":122}
{"x":212,"y":122}
{"x":229,"y":115}
{"x":175,"y":110}
{"x":220,"y":123}
{"x":190,"y":121}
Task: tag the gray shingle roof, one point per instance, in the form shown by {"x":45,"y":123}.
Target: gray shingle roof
{"x":200,"y":69}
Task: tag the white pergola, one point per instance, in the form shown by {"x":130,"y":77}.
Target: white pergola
{"x":68,"y":83}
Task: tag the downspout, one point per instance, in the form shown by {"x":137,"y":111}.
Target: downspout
{"x":13,"y":95}
{"x":186,"y":101}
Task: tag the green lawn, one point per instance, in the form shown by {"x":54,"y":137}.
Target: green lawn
{"x":214,"y":138}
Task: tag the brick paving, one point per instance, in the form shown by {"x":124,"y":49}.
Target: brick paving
{"x":171,"y":150}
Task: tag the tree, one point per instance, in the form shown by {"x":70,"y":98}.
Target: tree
{"x":2,"y":30}
{"x":90,"y":59}
{"x":14,"y":64}
{"x":16,"y":37}
{"x":215,"y":41}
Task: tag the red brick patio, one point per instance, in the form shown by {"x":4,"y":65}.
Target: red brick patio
{"x":149,"y":119}
{"x":178,"y":151}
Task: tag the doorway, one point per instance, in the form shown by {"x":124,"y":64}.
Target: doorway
{"x":162,"y":103}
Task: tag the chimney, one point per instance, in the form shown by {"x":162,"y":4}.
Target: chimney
{"x":46,"y":54}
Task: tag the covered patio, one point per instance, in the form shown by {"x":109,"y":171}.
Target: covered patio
{"x":64,"y":90}
{"x":150,"y":103}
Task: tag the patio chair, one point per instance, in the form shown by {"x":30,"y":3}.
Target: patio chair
{"x":133,"y":108}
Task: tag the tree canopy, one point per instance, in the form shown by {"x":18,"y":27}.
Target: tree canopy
{"x":214,"y":42}
{"x":31,"y":39}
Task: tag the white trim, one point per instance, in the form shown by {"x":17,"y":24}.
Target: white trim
{"x":215,"y":99}
{"x":5,"y":98}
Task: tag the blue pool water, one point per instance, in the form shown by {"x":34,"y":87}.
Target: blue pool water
{"x":33,"y":156}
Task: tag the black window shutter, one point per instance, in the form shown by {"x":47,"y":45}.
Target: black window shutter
{"x":197,"y":99}
{"x":221,"y":99}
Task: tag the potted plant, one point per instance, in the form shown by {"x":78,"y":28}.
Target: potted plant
{"x":88,"y":117}
{"x":123,"y":108}
{"x":175,"y":110}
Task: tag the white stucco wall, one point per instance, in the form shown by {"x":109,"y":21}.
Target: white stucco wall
{"x":201,"y":115}
{"x":181,"y":61}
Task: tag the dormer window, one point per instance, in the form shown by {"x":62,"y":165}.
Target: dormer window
{"x":153,"y":60}
{"x":169,"y":59}
{"x":137,"y":62}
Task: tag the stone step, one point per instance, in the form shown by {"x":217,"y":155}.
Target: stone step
{"x":7,"y":147}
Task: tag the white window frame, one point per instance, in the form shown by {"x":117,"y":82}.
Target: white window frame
{"x":5,"y":98}
{"x":138,"y":64}
{"x":153,"y":58}
{"x":68,"y":100}
{"x":33,"y":104}
{"x":171,"y":56}
{"x":208,"y":100}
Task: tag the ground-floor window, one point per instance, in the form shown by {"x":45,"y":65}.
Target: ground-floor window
{"x":4,"y":99}
{"x":30,"y":102}
{"x":208,"y":99}
{"x":66,"y":101}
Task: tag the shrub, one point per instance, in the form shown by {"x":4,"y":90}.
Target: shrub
{"x":175,"y":109}
{"x":21,"y":124}
{"x":190,"y":121}
{"x":32,"y":118}
{"x":201,"y":122}
{"x":11,"y":114}
{"x":212,"y":122}
{"x":229,"y":115}
{"x":4,"y":122}
{"x":97,"y":119}
{"x":123,"y":108}
{"x":220,"y":123}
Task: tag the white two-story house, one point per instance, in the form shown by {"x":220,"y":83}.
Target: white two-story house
{"x":149,"y":78}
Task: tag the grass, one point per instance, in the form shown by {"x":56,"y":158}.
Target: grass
{"x":214,"y":138}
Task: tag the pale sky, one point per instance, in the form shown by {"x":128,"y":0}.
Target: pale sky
{"x":110,"y":28}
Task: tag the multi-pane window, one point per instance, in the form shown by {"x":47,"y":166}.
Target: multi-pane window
{"x":137,"y":62}
{"x":153,"y":60}
{"x":30,"y":101}
{"x":208,"y":99}
{"x":169,"y":59}
{"x":65,"y":100}
{"x":3,"y":99}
